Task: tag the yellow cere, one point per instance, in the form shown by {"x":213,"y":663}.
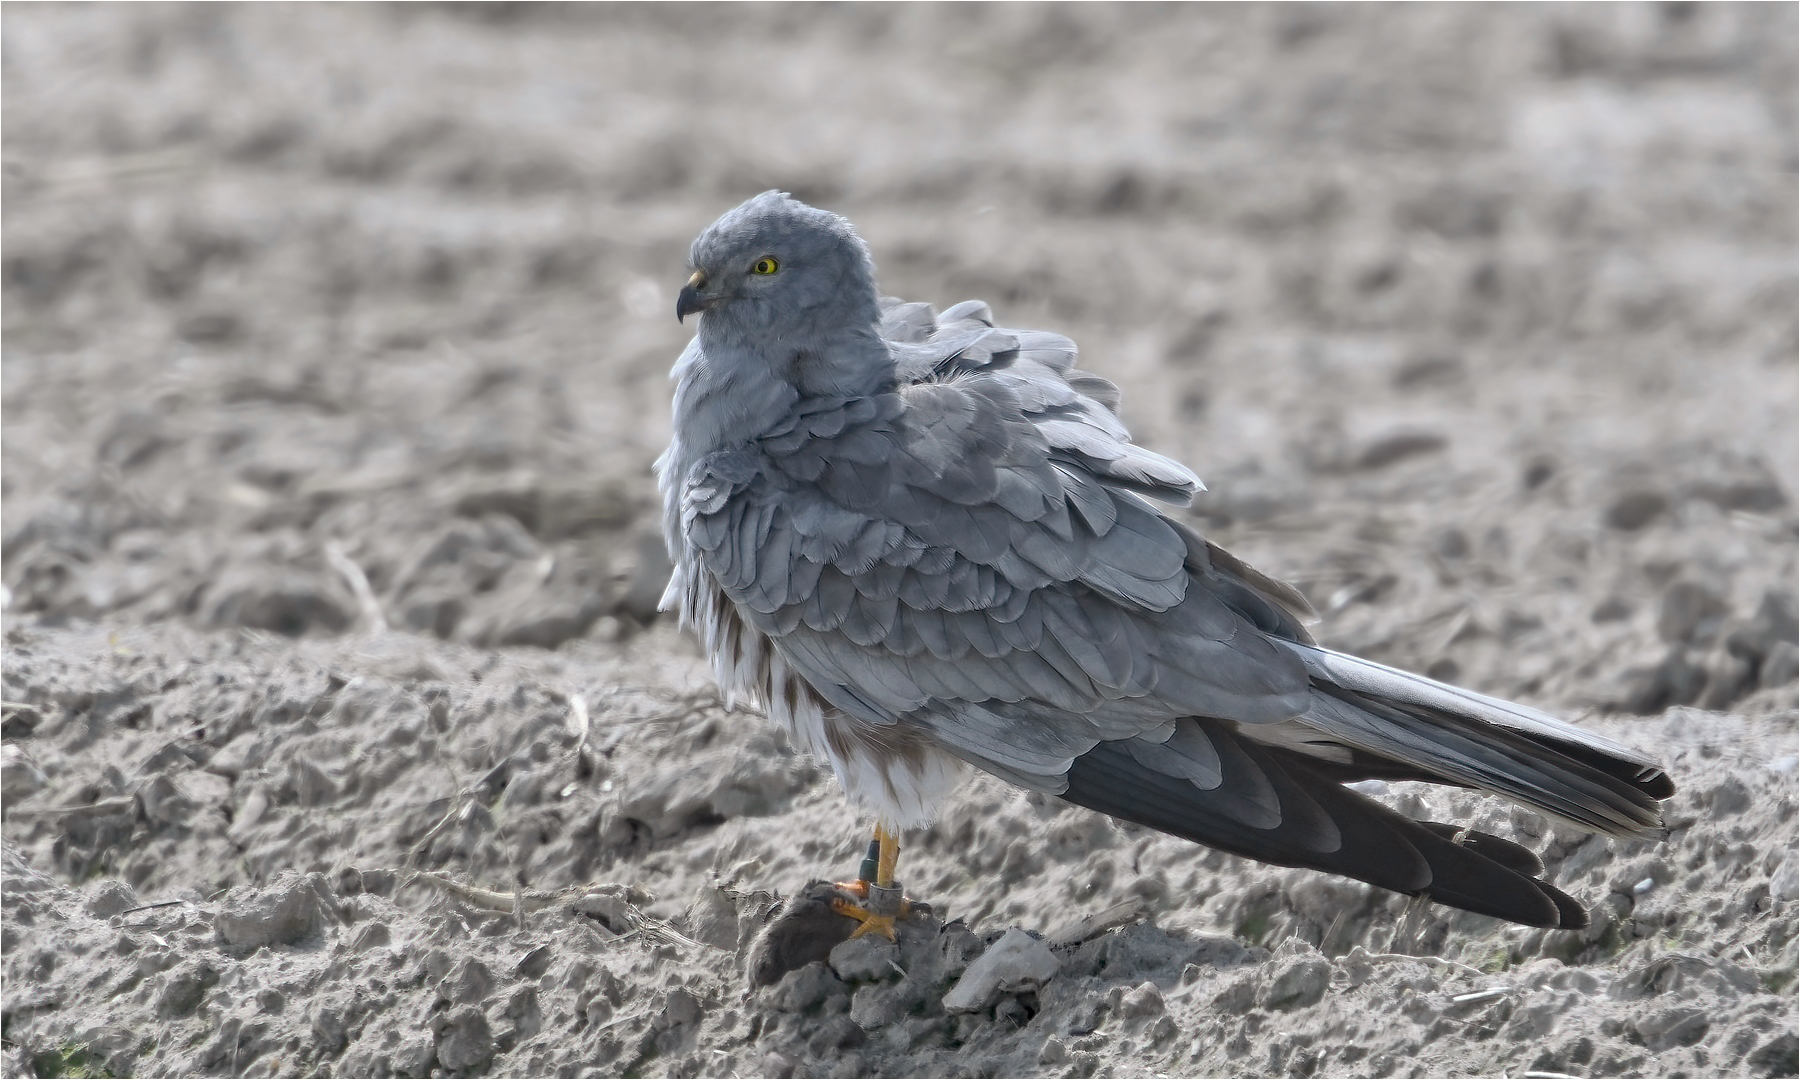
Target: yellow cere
{"x":765,"y":265}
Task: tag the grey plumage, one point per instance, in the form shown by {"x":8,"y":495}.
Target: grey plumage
{"x":917,"y":538}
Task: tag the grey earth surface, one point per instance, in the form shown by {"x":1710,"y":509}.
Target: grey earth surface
{"x":341,"y":735}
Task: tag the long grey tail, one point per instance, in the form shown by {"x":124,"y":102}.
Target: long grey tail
{"x":1281,"y":806}
{"x":1442,"y":732}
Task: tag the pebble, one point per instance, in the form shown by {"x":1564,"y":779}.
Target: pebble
{"x":110,"y":897}
{"x":1297,"y":984}
{"x":375,"y":935}
{"x":1144,"y":1000}
{"x":878,"y":1006}
{"x":1667,"y":1028}
{"x":468,"y":982}
{"x":1390,"y":447}
{"x":1016,"y":962}
{"x":286,"y":602}
{"x":20,"y":777}
{"x":185,"y":988}
{"x":414,"y":1056}
{"x":1784,"y":883}
{"x":1691,"y":612}
{"x":1635,"y":509}
{"x":284,"y":912}
{"x":533,"y":964}
{"x":869,"y":958}
{"x":805,"y":988}
{"x":465,"y":1042}
{"x":1780,"y":666}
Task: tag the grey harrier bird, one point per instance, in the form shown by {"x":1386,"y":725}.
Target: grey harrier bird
{"x":920,"y":541}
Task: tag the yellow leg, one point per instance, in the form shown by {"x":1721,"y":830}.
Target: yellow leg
{"x":890,"y":856}
{"x":882,"y":897}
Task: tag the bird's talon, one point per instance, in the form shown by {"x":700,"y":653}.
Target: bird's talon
{"x":876,"y":924}
{"x":868,"y":921}
{"x":873,"y":921}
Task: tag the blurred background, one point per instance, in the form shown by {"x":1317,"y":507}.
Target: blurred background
{"x":1446,"y":303}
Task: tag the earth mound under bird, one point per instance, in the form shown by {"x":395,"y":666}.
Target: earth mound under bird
{"x":921,"y":541}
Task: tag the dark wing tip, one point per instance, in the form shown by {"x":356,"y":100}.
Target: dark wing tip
{"x":1461,"y":868}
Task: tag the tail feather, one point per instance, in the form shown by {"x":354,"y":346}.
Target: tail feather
{"x":1458,"y":737}
{"x":1403,"y":687}
{"x":1322,"y":826}
{"x":1521,"y":860}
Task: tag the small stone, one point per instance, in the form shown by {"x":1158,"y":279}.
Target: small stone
{"x":1010,"y":1010}
{"x":1780,"y":666}
{"x":878,"y":1006}
{"x":1668,"y":1028}
{"x":469,"y":982}
{"x":110,"y":897}
{"x":649,"y":579}
{"x":523,"y":1010}
{"x":373,"y":935}
{"x":1236,"y":998}
{"x":1053,"y":1052}
{"x":1385,"y":450}
{"x":1741,"y":484}
{"x":1635,"y":509}
{"x":1145,"y":1000}
{"x":414,"y":1056}
{"x":833,"y":1034}
{"x":680,"y":1007}
{"x":1612,"y":609}
{"x":869,"y":958}
{"x":286,"y":602}
{"x":1014,"y":963}
{"x":1729,"y":798}
{"x":533,"y":964}
{"x":328,"y":1028}
{"x":805,"y":988}
{"x":310,"y":784}
{"x":283,"y":912}
{"x":164,"y":803}
{"x":433,"y":611}
{"x":1297,"y":984}
{"x":713,"y":918}
{"x":957,"y":947}
{"x":1691,"y":612}
{"x":465,"y":1043}
{"x":1779,"y":1056}
{"x":1678,"y":680}
{"x":1728,"y":678}
{"x":1784,"y":883}
{"x":187,"y":985}
{"x":378,"y":882}
{"x":777,"y":1066}
{"x":20,"y":721}
{"x":20,"y":777}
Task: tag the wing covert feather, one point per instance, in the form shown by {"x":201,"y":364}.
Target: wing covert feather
{"x":975,"y":546}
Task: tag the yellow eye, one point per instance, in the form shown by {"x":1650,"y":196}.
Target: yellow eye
{"x":765,"y":265}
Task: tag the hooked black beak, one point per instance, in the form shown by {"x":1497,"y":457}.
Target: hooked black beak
{"x":689,"y":299}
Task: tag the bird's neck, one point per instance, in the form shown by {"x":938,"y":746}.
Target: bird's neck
{"x":730,"y":390}
{"x":728,"y":394}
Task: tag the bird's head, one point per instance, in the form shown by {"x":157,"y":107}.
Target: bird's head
{"x":776,"y":270}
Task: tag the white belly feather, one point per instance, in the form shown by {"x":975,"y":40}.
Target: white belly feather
{"x":893,"y":772}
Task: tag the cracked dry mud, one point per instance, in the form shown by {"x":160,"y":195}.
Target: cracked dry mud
{"x":341,"y":736}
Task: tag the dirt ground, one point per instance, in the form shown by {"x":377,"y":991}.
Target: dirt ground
{"x":341,"y":736}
